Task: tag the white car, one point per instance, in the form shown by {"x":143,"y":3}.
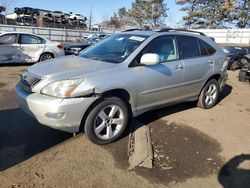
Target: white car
{"x":77,"y":17}
{"x":16,"y":47}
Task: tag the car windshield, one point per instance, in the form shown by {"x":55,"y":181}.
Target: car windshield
{"x":114,"y":49}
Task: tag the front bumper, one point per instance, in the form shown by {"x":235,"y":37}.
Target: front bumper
{"x":39,"y":106}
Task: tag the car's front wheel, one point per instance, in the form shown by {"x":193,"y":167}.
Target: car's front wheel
{"x":209,"y":94}
{"x":107,"y":120}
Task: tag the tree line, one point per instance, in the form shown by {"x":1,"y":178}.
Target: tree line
{"x":199,"y":14}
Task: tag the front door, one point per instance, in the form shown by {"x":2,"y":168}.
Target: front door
{"x":31,"y":47}
{"x":9,"y":49}
{"x":161,"y":83}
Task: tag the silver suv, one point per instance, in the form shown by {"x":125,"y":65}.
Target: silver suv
{"x":122,"y":76}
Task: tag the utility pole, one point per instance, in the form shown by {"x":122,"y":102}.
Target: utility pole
{"x":90,"y":19}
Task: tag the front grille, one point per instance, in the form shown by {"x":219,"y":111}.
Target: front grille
{"x":30,"y":80}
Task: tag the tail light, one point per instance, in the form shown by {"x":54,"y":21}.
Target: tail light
{"x":60,"y":46}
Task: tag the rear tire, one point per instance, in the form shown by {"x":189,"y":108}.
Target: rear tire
{"x":46,"y":56}
{"x":209,"y":94}
{"x":106,"y":121}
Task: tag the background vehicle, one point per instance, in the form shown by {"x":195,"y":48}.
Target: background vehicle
{"x":26,"y":20}
{"x":24,"y":47}
{"x":244,"y":74}
{"x":77,"y":17}
{"x":235,"y":55}
{"x":126,"y":74}
{"x":75,"y":49}
{"x":57,"y":14}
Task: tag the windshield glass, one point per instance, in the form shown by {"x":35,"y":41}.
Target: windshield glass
{"x":115,"y":48}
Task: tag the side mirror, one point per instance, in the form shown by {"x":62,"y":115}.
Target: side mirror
{"x":150,"y":59}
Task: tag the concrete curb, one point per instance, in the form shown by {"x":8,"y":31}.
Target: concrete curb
{"x":140,"y":147}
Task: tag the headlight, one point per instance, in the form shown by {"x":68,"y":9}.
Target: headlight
{"x":76,"y":49}
{"x":62,"y":88}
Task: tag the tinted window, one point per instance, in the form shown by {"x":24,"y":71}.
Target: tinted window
{"x":30,"y":39}
{"x":210,"y":49}
{"x":203,"y":48}
{"x":188,"y":47}
{"x":8,"y":39}
{"x":165,"y":47}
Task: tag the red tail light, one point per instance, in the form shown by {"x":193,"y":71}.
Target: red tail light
{"x":60,"y":46}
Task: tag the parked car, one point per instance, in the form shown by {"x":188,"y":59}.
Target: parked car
{"x":57,"y":14}
{"x":122,"y":76}
{"x":94,"y":35}
{"x":75,"y":49}
{"x":26,"y":20}
{"x":29,"y":11}
{"x":18,"y":47}
{"x":235,"y":55}
{"x":244,"y":74}
{"x":77,"y":17}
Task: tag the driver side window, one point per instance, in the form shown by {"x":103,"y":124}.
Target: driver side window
{"x":164,"y":46}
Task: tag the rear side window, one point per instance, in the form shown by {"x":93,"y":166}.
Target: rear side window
{"x":30,"y":39}
{"x":8,"y":39}
{"x":188,"y":47}
{"x":205,"y":48}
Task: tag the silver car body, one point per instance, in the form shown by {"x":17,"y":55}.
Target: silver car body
{"x":16,"y":52}
{"x":148,"y":87}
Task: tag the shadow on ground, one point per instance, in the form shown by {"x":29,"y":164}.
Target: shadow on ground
{"x":236,"y":172}
{"x":180,"y":152}
{"x":22,"y":137}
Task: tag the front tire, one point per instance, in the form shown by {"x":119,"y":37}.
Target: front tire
{"x":209,"y":94}
{"x":106,"y":121}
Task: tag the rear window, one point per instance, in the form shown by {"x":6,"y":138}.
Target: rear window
{"x":205,"y":49}
{"x":30,"y":39}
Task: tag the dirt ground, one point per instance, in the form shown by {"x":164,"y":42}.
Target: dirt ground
{"x":192,"y":147}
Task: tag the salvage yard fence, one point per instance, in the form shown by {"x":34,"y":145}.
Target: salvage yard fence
{"x":225,"y":36}
{"x":54,"y":34}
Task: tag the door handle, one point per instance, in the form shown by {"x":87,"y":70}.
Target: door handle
{"x":178,"y":67}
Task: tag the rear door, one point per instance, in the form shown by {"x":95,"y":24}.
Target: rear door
{"x":198,"y":63}
{"x":9,"y":48}
{"x":31,"y":47}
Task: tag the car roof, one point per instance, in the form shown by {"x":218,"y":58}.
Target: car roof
{"x":150,"y":33}
{"x":16,"y":32}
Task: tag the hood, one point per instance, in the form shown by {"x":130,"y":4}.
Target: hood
{"x":67,"y":67}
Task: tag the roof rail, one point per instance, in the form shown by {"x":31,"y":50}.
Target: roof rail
{"x":128,"y":30}
{"x":184,"y":30}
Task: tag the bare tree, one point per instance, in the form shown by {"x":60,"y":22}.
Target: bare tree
{"x":8,"y":4}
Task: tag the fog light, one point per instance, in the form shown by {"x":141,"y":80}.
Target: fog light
{"x":61,"y":115}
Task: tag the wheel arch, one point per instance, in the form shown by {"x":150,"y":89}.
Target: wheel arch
{"x":123,"y":94}
{"x":46,"y":52}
